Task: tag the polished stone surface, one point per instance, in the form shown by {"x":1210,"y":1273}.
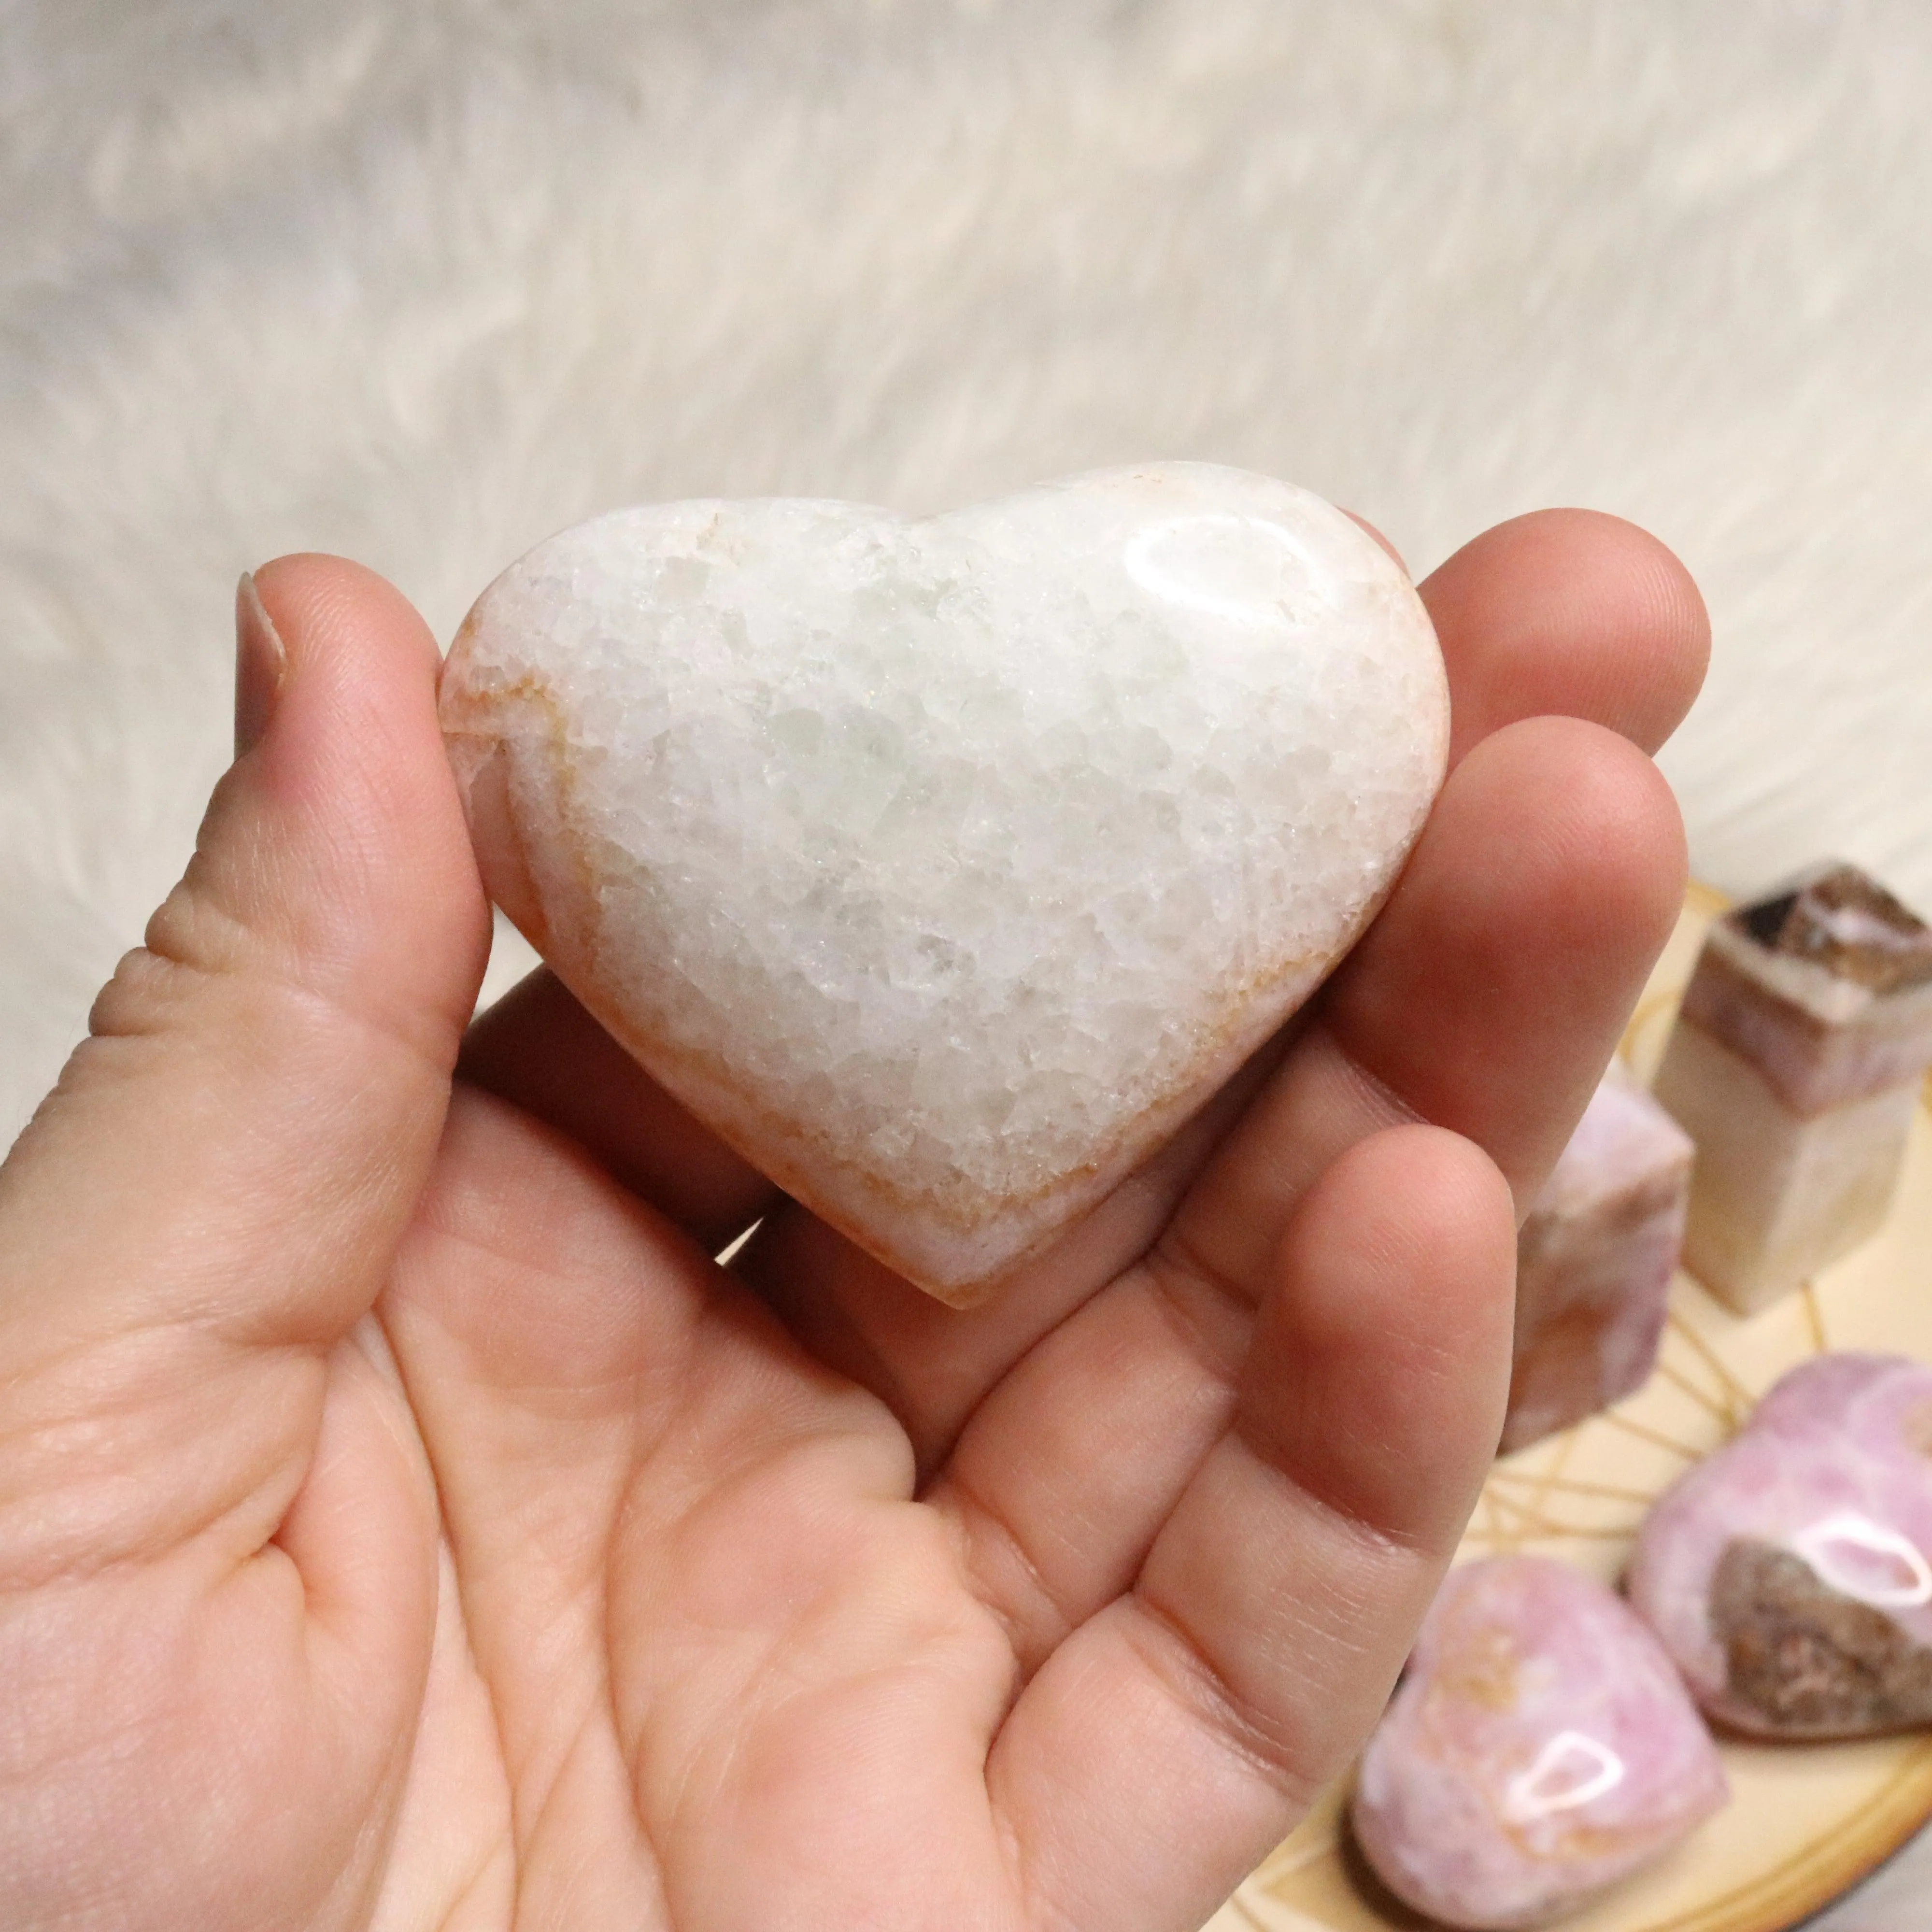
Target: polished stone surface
{"x":1790,"y":1575}
{"x":1540,"y":1748}
{"x":945,"y":866}
{"x":1794,"y":1064}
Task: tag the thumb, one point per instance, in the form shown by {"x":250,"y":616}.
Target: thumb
{"x":222,"y":1172}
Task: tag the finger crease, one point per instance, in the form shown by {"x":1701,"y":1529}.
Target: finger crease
{"x":111,"y":1020}
{"x":1021,"y":1633}
{"x":1327,"y":1501}
{"x":1375,"y":1093}
{"x":1179,"y":1662}
{"x":1210,"y":1312}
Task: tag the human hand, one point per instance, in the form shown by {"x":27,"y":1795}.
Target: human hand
{"x":404,"y":1522}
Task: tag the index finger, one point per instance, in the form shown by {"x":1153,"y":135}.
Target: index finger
{"x":1600,"y":622}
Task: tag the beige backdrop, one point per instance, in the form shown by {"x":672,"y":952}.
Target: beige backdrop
{"x":422,"y":282}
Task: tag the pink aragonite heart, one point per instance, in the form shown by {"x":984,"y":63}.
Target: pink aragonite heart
{"x":1790,"y":1573}
{"x":1540,"y":1748}
{"x":945,"y":867}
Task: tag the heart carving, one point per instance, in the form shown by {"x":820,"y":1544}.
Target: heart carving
{"x":945,"y":866}
{"x":1539,"y":1749}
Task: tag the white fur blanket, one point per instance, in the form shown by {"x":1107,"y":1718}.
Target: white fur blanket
{"x":421,"y":280}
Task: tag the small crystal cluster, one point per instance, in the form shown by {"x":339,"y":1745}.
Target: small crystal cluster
{"x":1594,"y":1263}
{"x":1540,"y":1748}
{"x":1795,"y":1066}
{"x":1790,"y":1574}
{"x":945,"y":866}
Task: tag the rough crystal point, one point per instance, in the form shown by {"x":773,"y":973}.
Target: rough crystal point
{"x":1790,"y":1574}
{"x":945,"y":866}
{"x":1540,"y":1748}
{"x":1594,"y":1262}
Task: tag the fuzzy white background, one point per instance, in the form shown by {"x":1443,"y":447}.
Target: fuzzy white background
{"x":421,"y":280}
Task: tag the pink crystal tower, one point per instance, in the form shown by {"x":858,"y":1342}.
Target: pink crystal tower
{"x":1795,"y":1066}
{"x":1594,"y":1263}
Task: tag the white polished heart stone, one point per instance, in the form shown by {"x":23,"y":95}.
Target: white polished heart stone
{"x":945,"y":866}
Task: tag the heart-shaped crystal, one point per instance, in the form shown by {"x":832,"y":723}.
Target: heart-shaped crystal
{"x":1540,"y":1749}
{"x":945,"y":866}
{"x":1790,"y":1573}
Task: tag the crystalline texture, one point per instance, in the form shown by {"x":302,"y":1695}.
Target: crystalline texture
{"x":946,"y":865}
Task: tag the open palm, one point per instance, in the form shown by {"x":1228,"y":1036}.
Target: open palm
{"x":404,"y":1522}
